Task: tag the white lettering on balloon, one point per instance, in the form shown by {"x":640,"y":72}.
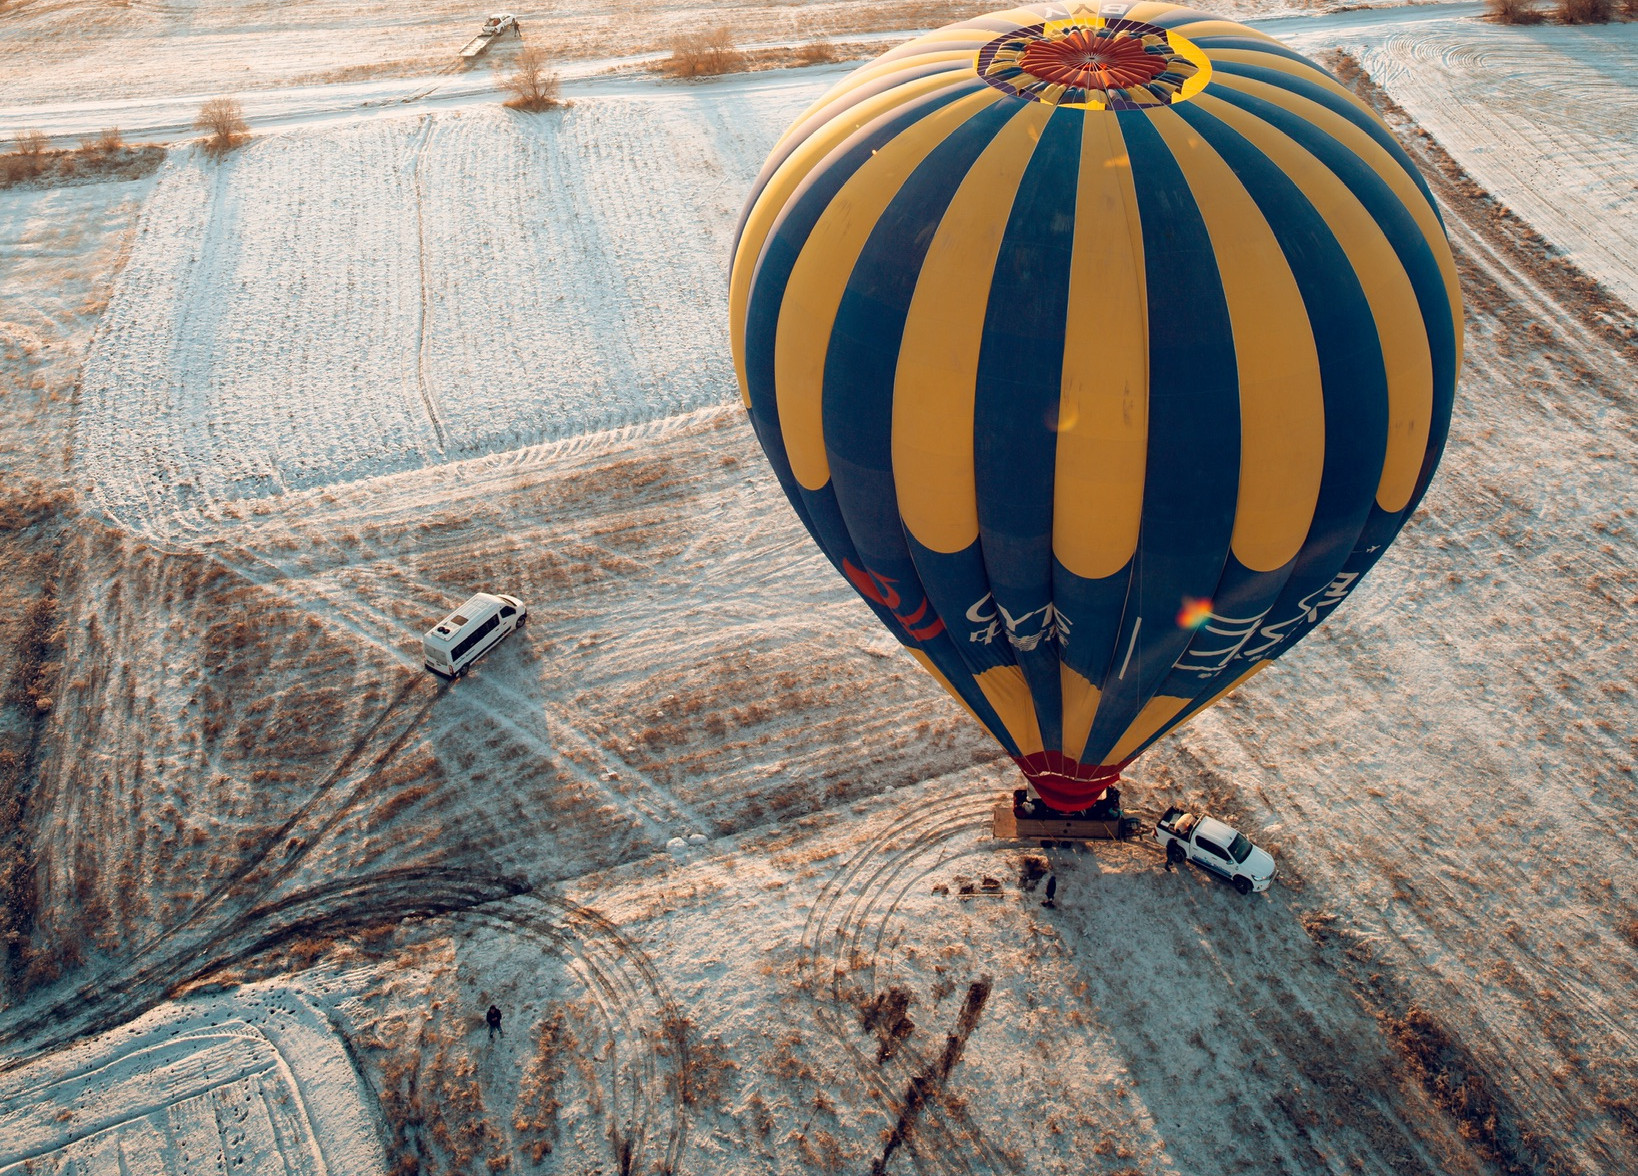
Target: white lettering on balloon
{"x":1024,"y":633}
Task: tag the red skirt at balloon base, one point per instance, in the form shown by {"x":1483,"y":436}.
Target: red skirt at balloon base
{"x":1065,"y":784}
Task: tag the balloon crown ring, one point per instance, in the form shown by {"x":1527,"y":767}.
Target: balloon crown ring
{"x":1095,"y":64}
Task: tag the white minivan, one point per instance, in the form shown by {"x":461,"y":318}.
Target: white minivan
{"x":465,"y":635}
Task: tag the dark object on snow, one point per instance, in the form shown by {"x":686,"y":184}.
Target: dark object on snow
{"x":1051,"y":900}
{"x":493,"y":1017}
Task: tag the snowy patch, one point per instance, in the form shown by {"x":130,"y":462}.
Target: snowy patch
{"x":1541,"y":117}
{"x":329,"y":305}
{"x":254,"y":1082}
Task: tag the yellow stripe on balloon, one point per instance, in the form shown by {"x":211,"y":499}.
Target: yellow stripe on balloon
{"x":819,"y":278}
{"x":936,"y":381}
{"x":1297,"y":69}
{"x":938,"y":676}
{"x":776,"y":195}
{"x":959,"y":61}
{"x":1125,"y":749}
{"x":1147,"y":10}
{"x":1282,"y":405}
{"x":1103,"y":409}
{"x":1195,"y":30}
{"x":1387,"y":288}
{"x":1161,"y":709}
{"x":1385,"y":165}
{"x":1008,"y":694}
{"x":1080,"y":703}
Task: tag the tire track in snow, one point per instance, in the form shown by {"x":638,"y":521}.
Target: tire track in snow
{"x":427,"y":401}
{"x":946,"y":1138}
{"x":648,"y":1066}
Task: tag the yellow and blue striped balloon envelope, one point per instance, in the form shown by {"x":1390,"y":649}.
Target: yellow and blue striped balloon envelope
{"x":1102,"y":349}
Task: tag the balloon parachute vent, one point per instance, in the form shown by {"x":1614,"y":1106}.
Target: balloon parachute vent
{"x":1095,"y":64}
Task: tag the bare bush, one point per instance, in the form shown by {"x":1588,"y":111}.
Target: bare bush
{"x":533,"y":86}
{"x":1573,"y":12}
{"x":102,"y":144}
{"x":822,"y":52}
{"x":704,"y":54}
{"x":1516,"y":12}
{"x":224,"y":120}
{"x":27,"y":157}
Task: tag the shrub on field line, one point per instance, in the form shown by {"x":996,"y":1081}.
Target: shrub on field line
{"x":822,"y":52}
{"x":702,"y":54}
{"x":533,"y":86}
{"x":224,"y":119}
{"x":104,"y":143}
{"x":1519,"y":12}
{"x":27,"y":157}
{"x":1572,"y":12}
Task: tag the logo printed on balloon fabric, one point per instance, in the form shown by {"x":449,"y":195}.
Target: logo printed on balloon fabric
{"x":1094,"y":62}
{"x":1308,"y":609}
{"x":923,"y":624}
{"x":1024,"y":633}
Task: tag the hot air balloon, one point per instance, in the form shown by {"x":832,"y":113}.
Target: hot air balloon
{"x":1103,"y":350}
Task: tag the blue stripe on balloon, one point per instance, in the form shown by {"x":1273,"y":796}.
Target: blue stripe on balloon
{"x":861,"y":363}
{"x":1255,"y":45}
{"x":1015,"y":409}
{"x":861,"y":360}
{"x":1336,"y":103}
{"x":825,"y":117}
{"x":1411,"y":247}
{"x":1355,"y":387}
{"x":1191,"y":483}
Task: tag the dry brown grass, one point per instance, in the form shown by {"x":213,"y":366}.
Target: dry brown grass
{"x":534,"y":87}
{"x":819,"y":52}
{"x":704,"y":54}
{"x":1576,"y":12}
{"x":535,"y":1113}
{"x":1516,"y":12}
{"x":223,"y":120}
{"x":105,"y":143}
{"x":33,"y":518}
{"x":27,"y":157}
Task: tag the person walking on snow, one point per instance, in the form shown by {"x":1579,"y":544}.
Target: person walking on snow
{"x":1050,"y":901}
{"x":493,"y":1018}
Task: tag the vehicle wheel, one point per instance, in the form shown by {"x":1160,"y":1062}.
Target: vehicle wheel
{"x":1242,"y":884}
{"x":1174,"y":853}
{"x":523,"y":620}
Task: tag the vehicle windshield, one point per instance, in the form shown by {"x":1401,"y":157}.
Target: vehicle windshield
{"x":1239,"y":848}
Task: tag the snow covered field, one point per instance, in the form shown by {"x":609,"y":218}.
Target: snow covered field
{"x":359,"y":370}
{"x":1544,"y":118}
{"x":255,"y":1082}
{"x":481,"y":281}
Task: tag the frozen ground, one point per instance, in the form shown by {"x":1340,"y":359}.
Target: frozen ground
{"x":1542,"y":117}
{"x":242,"y":772}
{"x":255,"y":1083}
{"x":53,"y":49}
{"x":486,"y":280}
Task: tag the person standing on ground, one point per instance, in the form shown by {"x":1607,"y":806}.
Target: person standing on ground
{"x":493,"y":1017}
{"x":1050,"y":901}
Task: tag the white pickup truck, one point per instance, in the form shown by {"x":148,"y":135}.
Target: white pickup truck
{"x":1207,"y":842}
